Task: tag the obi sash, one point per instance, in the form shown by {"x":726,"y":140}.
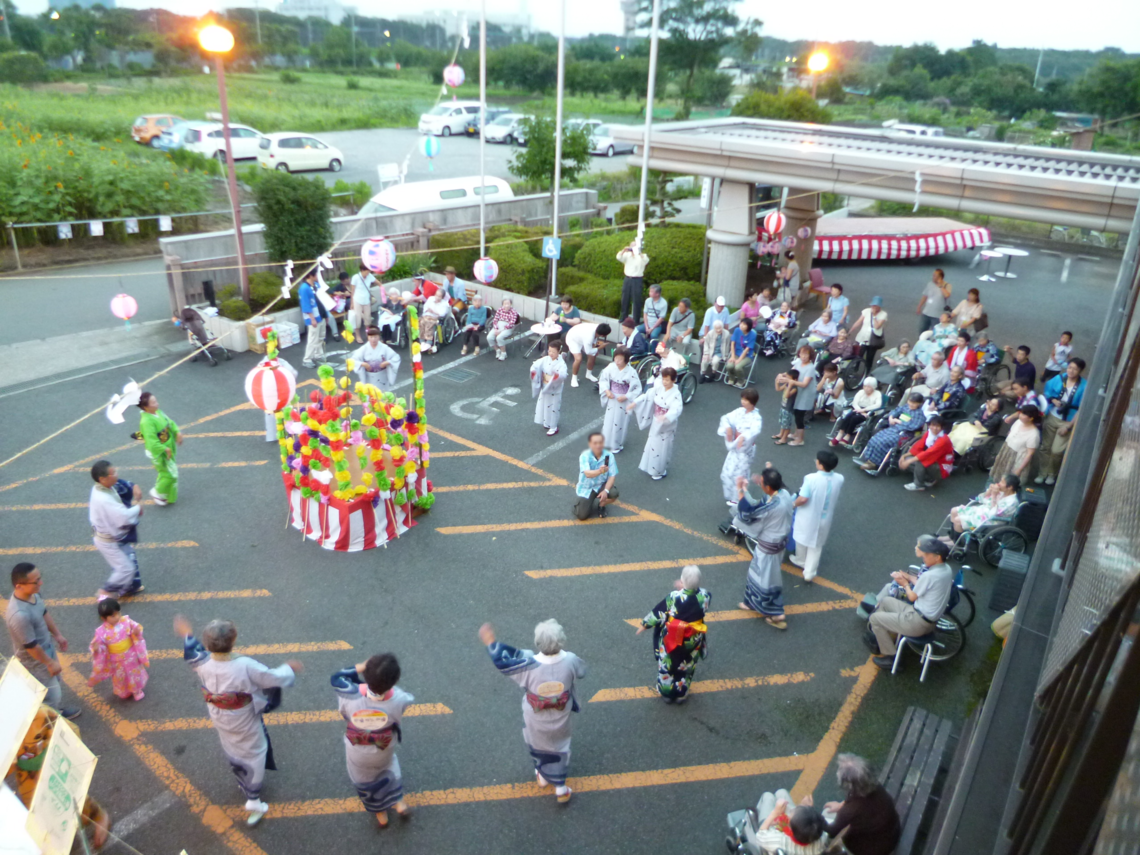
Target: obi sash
{"x":119,"y":647}
{"x":676,"y":631}
{"x":619,"y":388}
{"x":539,"y":702}
{"x":660,"y":410}
{"x":380,"y":738}
{"x":771,"y":548}
{"x":227,"y":700}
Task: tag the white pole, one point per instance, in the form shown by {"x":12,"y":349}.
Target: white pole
{"x":558,"y":145}
{"x":483,"y":131}
{"x":1037,"y":73}
{"x":648,"y":121}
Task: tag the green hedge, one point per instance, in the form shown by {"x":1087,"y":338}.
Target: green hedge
{"x":264,"y":288}
{"x":463,"y":260}
{"x":592,"y":295}
{"x":235,"y":309}
{"x":674,"y":254}
{"x":673,"y":291}
{"x":519,"y":271}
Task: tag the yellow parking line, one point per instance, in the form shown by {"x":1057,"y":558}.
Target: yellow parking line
{"x":559,"y":523}
{"x":251,"y":650}
{"x":506,"y":485}
{"x":227,"y":433}
{"x":90,"y":547}
{"x":501,"y":792}
{"x":794,"y":609}
{"x":639,"y":692}
{"x":276,"y":719}
{"x":168,"y":598}
{"x":635,"y":566}
{"x":498,"y":455}
{"x":228,"y":464}
{"x":435,"y":455}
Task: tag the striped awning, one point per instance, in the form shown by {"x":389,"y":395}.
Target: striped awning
{"x":887,"y":247}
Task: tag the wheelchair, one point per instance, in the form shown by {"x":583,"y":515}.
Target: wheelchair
{"x":784,"y":346}
{"x":992,"y":377}
{"x":982,"y":454}
{"x":852,"y":370}
{"x":999,"y":535}
{"x":862,"y":433}
{"x":649,"y":365}
{"x":892,"y":381}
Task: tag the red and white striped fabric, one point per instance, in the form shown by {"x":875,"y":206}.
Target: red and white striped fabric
{"x":889,"y":248}
{"x":351,"y":526}
{"x":269,"y":386}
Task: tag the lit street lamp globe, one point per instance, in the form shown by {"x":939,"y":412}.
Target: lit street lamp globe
{"x":817,"y":62}
{"x":215,"y":39}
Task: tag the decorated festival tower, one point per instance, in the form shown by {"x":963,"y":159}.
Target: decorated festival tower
{"x":354,"y":459}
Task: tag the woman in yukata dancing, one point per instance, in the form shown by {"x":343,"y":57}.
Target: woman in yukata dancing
{"x":679,"y":632}
{"x":548,"y":678}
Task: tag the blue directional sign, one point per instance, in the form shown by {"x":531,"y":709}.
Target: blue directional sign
{"x":552,"y":247}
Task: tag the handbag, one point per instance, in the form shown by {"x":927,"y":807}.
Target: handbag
{"x":982,"y":322}
{"x":876,"y":340}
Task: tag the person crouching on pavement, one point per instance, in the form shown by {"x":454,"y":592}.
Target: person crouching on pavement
{"x":597,"y":471}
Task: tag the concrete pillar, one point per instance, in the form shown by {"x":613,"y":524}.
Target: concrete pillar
{"x":802,"y":209}
{"x":733,"y":230}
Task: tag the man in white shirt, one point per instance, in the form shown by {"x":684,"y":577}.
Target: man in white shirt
{"x":585,"y":337}
{"x":656,"y":314}
{"x":362,"y":299}
{"x":933,"y":376}
{"x":927,"y":597}
{"x":113,"y":518}
{"x":718,"y":311}
{"x":935,"y":297}
{"x":633,"y":288}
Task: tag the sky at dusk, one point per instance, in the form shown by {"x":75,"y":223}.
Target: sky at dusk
{"x":1009,"y":23}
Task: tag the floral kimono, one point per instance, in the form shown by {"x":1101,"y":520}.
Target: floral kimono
{"x":678,"y":640}
{"x":119,"y":652}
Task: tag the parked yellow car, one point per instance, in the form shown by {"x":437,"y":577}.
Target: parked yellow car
{"x":147,"y":129}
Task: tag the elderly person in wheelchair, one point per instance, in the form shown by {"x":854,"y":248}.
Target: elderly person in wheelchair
{"x":867,"y":401}
{"x":903,"y":422}
{"x":999,"y":502}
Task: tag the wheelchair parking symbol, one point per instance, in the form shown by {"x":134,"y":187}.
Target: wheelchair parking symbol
{"x":552,"y":247}
{"x":483,"y":411}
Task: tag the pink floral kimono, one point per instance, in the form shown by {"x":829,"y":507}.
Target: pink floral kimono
{"x":119,"y":652}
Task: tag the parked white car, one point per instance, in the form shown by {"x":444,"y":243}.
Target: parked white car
{"x":448,"y":118}
{"x":294,"y":152}
{"x":602,"y":142}
{"x":210,"y":140}
{"x":505,"y":129}
{"x":436,"y":195}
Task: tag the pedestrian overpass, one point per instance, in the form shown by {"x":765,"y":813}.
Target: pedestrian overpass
{"x":1091,"y":190}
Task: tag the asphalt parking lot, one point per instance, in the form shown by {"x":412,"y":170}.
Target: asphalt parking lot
{"x":771,"y":709}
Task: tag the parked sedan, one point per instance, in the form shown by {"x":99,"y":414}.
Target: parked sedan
{"x":493,"y":113}
{"x":505,"y":129}
{"x":602,"y":142}
{"x":208,"y":138}
{"x":147,"y":129}
{"x":294,"y":152}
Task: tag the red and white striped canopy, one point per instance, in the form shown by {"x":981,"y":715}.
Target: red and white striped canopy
{"x":889,"y":247}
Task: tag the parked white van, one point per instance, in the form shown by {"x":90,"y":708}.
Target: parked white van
{"x":448,"y":118}
{"x":435,"y":195}
{"x":893,"y":126}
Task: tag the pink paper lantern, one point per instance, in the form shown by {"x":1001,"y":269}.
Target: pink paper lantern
{"x":804,"y":233}
{"x":378,"y":254}
{"x":270,"y":387}
{"x":453,"y":76}
{"x":124,"y":307}
{"x":774,"y":223}
{"x":486,"y":270}
{"x":774,"y":247}
{"x":789,"y":241}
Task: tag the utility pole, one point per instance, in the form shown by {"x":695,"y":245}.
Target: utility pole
{"x":257,"y":18}
{"x":6,"y":9}
{"x":1037,"y":73}
{"x":352,"y":23}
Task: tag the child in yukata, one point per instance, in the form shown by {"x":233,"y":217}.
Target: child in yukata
{"x":118,"y":651}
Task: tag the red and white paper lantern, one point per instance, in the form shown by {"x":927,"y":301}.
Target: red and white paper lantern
{"x":453,"y":76}
{"x":378,"y":254}
{"x":270,"y":387}
{"x":774,"y":223}
{"x":486,"y":270}
{"x":124,"y":306}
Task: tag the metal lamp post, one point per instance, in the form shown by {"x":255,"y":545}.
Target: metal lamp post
{"x":219,"y":41}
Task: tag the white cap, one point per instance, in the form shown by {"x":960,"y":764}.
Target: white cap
{"x":720,"y":301}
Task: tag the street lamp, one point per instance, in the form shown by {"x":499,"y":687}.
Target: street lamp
{"x":817,"y":64}
{"x":219,"y":41}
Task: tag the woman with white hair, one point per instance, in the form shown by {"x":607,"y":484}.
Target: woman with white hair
{"x":715,"y":349}
{"x":389,"y":312}
{"x":548,"y":676}
{"x":866,"y":401}
{"x":679,"y":634}
{"x":867,"y":818}
{"x":505,"y":320}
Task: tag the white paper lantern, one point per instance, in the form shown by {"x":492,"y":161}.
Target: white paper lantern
{"x":486,"y":270}
{"x":453,"y":76}
{"x":378,"y":254}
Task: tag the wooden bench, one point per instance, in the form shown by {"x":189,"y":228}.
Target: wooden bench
{"x":915,"y":772}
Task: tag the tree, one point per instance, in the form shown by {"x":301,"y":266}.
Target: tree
{"x":630,"y":76}
{"x":795,"y":105}
{"x":711,"y":88}
{"x":697,"y":32}
{"x":1111,"y":89}
{"x":296,"y":214}
{"x":599,"y":48}
{"x":22,"y":67}
{"x":981,"y":56}
{"x":535,"y":162}
{"x":590,"y":76}
{"x":746,"y":40}
{"x":910,"y":85}
{"x":522,"y":66}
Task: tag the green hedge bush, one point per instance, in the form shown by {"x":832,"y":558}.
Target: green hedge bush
{"x":626,"y":214}
{"x":593,"y":295}
{"x":568,"y":276}
{"x":674,"y":254}
{"x":235,"y":309}
{"x":673,"y":291}
{"x":264,"y":288}
{"x":519,"y":271}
